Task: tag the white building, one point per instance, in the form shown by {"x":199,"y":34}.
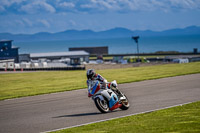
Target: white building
{"x":72,"y":57}
{"x":7,"y":63}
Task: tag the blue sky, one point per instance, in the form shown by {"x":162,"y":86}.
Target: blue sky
{"x":32,"y":16}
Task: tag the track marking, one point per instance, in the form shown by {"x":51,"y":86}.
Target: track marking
{"x":117,"y":117}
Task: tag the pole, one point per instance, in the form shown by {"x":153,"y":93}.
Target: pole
{"x":136,"y":40}
{"x":138,"y":51}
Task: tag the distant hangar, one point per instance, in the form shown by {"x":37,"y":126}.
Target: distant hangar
{"x":76,"y":57}
{"x":92,"y":50}
{"x":59,"y":55}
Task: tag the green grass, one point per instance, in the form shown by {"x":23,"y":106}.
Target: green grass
{"x":27,"y":84}
{"x":150,"y":56}
{"x":127,"y":57}
{"x":181,"y":119}
{"x":105,"y":58}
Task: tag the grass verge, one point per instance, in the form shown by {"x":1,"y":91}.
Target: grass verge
{"x":28,"y":84}
{"x":185,"y":119}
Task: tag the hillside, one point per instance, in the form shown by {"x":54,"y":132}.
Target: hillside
{"x":89,"y":34}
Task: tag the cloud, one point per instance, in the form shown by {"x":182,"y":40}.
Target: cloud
{"x":37,"y":6}
{"x":100,"y":5}
{"x":8,"y":3}
{"x":185,"y":4}
{"x":93,"y":6}
{"x":27,"y":22}
{"x":30,"y":23}
{"x":23,"y":22}
{"x":67,"y":5}
{"x":44,"y":23}
{"x":164,"y":5}
{"x":139,"y":5}
{"x":64,"y":7}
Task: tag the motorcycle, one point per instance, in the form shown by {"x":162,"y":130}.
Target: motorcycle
{"x":107,"y":99}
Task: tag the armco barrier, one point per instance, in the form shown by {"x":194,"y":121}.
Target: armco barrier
{"x":45,"y":69}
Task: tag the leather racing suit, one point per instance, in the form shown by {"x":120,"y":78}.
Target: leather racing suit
{"x":98,"y":77}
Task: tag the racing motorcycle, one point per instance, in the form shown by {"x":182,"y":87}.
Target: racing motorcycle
{"x":107,"y":99}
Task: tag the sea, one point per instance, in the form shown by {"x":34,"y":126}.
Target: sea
{"x":116,"y":45}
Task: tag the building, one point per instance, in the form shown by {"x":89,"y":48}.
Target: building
{"x":183,"y":58}
{"x":7,"y":64}
{"x":7,"y":51}
{"x":24,"y":58}
{"x":76,"y":57}
{"x":92,"y":50}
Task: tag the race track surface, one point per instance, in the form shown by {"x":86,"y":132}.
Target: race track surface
{"x":53,"y":111}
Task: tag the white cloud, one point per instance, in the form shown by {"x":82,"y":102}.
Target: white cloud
{"x":8,"y":3}
{"x":37,"y":6}
{"x":4,"y":4}
{"x":67,"y":5}
{"x":24,"y":22}
{"x":185,"y":4}
{"x":27,"y":22}
{"x":101,"y":5}
{"x":141,"y":5}
{"x":60,"y":6}
{"x":44,"y":22}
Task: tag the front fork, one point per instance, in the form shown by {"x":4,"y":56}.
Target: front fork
{"x":118,"y":92}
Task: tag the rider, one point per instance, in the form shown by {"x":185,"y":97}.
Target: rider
{"x":91,"y":75}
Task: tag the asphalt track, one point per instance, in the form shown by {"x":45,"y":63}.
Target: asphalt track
{"x":59,"y":110}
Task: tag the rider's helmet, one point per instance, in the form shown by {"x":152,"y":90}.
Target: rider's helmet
{"x":90,"y":74}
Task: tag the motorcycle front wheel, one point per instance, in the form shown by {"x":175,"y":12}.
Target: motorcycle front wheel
{"x":125,"y":104}
{"x":102,"y":105}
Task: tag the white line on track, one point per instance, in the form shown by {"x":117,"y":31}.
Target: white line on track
{"x":117,"y":117}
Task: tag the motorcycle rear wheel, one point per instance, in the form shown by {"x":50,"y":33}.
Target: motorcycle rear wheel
{"x":102,"y":105}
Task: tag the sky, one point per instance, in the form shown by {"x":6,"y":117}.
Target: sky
{"x":32,"y":16}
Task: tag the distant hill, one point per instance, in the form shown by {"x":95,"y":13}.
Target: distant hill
{"x":89,"y":34}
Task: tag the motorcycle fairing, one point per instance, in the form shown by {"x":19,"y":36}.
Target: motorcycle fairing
{"x":113,"y":100}
{"x":110,"y":96}
{"x":94,"y":89}
{"x":117,"y":105}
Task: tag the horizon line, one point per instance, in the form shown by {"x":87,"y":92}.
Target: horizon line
{"x":98,"y":31}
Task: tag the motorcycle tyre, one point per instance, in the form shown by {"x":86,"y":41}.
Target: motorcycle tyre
{"x":125,"y":107}
{"x":100,"y":108}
